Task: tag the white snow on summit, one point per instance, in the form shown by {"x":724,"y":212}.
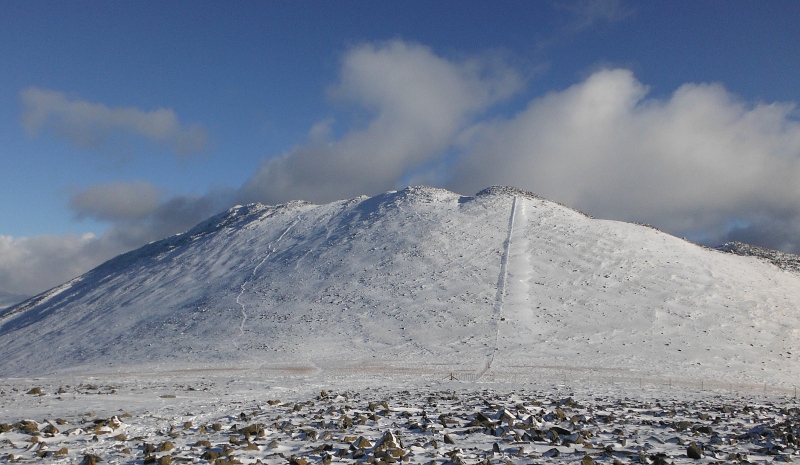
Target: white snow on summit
{"x":419,"y":279}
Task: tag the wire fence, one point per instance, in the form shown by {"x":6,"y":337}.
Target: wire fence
{"x":566,"y":377}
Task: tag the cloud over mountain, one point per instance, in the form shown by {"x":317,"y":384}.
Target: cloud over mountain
{"x":97,"y":127}
{"x":700,"y":162}
{"x":137,"y":213}
{"x":417,"y":103}
{"x":697,"y":162}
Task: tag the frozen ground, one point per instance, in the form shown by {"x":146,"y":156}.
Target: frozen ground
{"x":284,"y":417}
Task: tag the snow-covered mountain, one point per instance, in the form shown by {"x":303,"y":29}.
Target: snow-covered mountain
{"x":417,"y":279}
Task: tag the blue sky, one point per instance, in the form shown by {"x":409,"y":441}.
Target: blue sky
{"x":124,"y":122}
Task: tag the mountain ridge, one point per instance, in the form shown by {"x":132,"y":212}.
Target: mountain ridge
{"x":415,"y":278}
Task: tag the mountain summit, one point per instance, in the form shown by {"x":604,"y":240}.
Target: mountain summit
{"x":417,"y":279}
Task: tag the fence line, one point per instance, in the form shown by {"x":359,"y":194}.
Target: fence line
{"x":576,"y":375}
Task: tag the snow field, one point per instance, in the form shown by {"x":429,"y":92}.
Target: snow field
{"x":418,"y":280}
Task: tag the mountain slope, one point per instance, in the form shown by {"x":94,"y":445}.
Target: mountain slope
{"x":421,"y":278}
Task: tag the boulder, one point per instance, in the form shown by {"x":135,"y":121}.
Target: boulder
{"x":694,"y":451}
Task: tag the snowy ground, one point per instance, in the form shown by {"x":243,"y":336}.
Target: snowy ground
{"x":441,"y":328}
{"x":270,"y":417}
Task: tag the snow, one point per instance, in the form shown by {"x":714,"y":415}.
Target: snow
{"x":420,"y":279}
{"x":261,"y":417}
{"x":403,"y":291}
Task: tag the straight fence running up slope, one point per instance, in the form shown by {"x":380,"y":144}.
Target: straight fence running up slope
{"x":501,"y":289}
{"x":583,"y":376}
{"x":587,"y":377}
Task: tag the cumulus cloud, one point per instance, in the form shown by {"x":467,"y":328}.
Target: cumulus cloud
{"x":136,"y":213}
{"x":171,"y":216}
{"x":94,"y":126}
{"x":116,"y":201}
{"x":29,"y":265}
{"x":700,"y":163}
{"x":417,"y":103}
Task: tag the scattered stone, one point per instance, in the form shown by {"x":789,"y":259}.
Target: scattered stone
{"x":491,"y":428}
{"x":90,"y":459}
{"x":27,"y":426}
{"x":683,"y":425}
{"x":694,"y":451}
{"x":362,"y":443}
{"x":704,"y":429}
{"x":551,"y":453}
{"x":252,"y":430}
{"x":50,"y":430}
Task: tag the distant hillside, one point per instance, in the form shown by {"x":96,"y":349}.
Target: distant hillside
{"x":782,"y":260}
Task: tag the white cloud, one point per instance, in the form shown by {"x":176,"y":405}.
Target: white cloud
{"x":94,"y":126}
{"x":116,"y":201}
{"x":418,"y":102}
{"x":688,"y":164}
{"x":136,"y":215}
{"x":30,"y":265}
{"x":700,"y":163}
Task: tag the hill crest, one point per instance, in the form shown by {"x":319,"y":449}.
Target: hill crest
{"x":415,"y":278}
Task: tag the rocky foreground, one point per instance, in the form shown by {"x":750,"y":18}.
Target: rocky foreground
{"x":214,"y":421}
